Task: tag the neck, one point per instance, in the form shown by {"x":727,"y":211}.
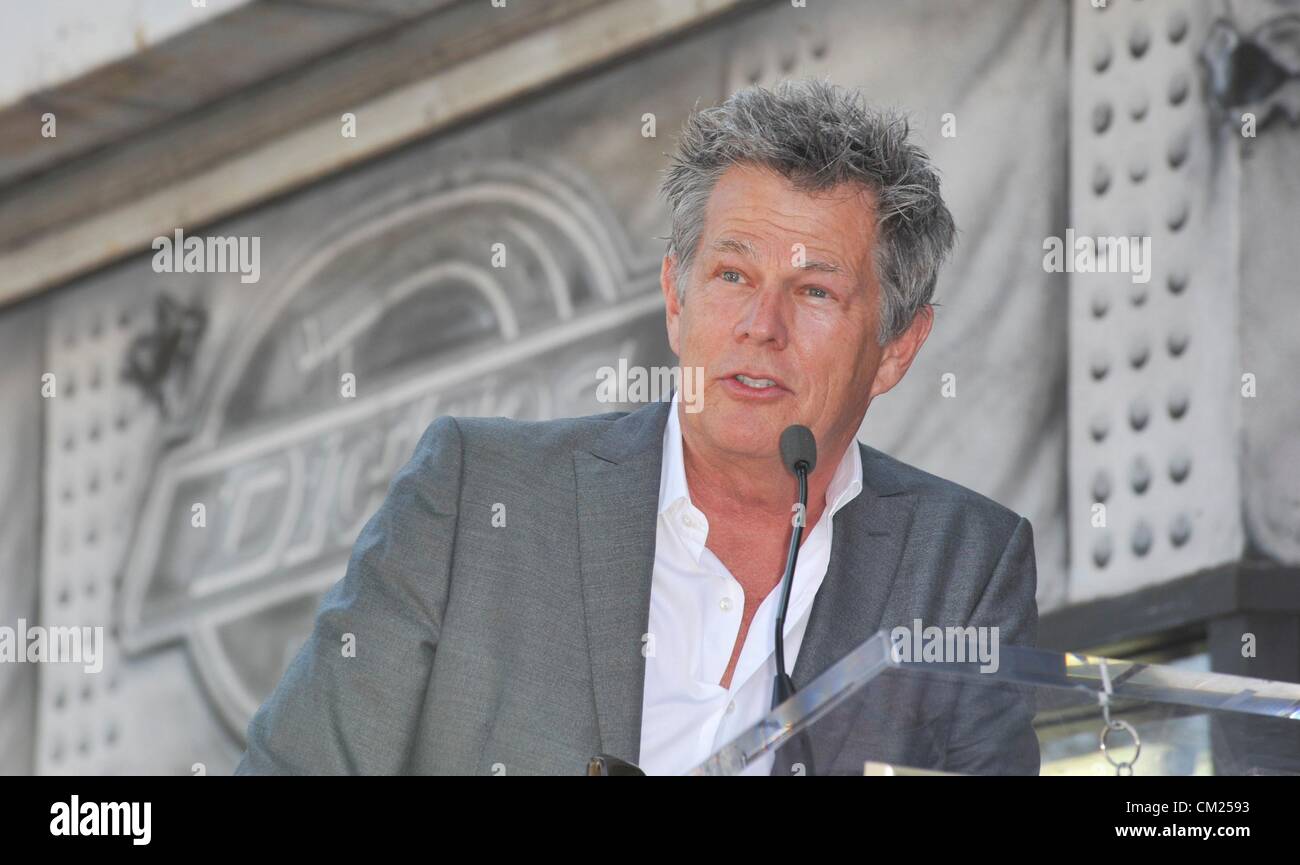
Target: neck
{"x":759,"y":490}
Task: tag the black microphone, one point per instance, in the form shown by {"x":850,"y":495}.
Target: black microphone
{"x":798,"y":445}
{"x":799,"y":453}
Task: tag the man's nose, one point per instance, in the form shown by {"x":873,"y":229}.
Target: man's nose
{"x":765,"y":319}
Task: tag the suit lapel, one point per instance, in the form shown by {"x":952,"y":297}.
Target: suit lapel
{"x":618,"y":506}
{"x":866,"y":548}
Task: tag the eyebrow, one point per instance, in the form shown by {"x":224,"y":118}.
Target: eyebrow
{"x":745,"y":248}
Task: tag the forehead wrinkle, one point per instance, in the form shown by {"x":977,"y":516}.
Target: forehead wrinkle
{"x":746,"y":248}
{"x":776,"y":213}
{"x":814,"y":225}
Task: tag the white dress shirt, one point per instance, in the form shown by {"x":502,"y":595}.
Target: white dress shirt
{"x":695,"y":611}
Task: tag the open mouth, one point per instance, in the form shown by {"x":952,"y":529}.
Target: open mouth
{"x":747,"y":386}
{"x":755,"y":383}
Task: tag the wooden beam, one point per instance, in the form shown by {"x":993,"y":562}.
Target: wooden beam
{"x":160,"y":83}
{"x":476,"y":68}
{"x":1172,"y":612}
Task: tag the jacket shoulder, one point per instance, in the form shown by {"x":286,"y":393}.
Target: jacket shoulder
{"x":888,"y":474}
{"x":506,"y":435}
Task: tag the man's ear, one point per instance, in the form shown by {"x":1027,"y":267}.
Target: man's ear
{"x":668,"y":277}
{"x":901,"y":351}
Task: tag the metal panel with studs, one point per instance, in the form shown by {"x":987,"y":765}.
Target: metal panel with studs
{"x":1154,"y":403}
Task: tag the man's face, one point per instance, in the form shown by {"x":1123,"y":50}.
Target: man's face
{"x":781,"y":343}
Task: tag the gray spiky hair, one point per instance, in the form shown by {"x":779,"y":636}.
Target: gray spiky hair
{"x":818,"y":135}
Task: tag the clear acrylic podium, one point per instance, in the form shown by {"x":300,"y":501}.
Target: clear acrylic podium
{"x":876,"y":711}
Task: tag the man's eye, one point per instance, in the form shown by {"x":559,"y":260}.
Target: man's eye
{"x":818,"y":292}
{"x":729,"y":273}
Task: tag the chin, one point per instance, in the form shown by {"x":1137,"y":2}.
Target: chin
{"x":744,"y":429}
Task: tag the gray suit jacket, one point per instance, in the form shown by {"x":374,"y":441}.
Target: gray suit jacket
{"x":517,"y":648}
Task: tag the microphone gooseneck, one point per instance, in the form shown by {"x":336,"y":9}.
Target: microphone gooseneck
{"x":799,"y":453}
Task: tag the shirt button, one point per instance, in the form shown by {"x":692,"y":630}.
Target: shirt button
{"x":724,"y":604}
{"x":731,"y":707}
{"x":689,"y":521}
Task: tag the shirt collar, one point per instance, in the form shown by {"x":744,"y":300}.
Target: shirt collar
{"x":845,"y":484}
{"x":672,"y":477}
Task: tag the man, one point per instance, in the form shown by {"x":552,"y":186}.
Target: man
{"x":627,"y":607}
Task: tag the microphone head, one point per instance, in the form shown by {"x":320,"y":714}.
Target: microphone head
{"x":798,"y":445}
